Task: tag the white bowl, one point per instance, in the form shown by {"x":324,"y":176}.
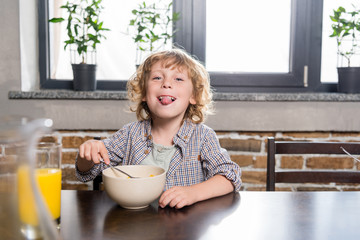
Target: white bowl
{"x":134,"y":193}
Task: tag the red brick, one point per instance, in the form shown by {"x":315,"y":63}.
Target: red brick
{"x":329,"y":163}
{"x":8,"y":165}
{"x":241,"y":145}
{"x":11,"y":150}
{"x":74,"y":142}
{"x":68,"y":157}
{"x":7,"y":186}
{"x":68,"y":174}
{"x":242,"y":160}
{"x":347,"y":134}
{"x":347,"y":184}
{"x":260,"y":162}
{"x":253,"y":177}
{"x":51,"y":139}
{"x":295,"y":162}
{"x":303,"y":135}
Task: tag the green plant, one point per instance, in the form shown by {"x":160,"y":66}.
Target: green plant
{"x":151,"y":24}
{"x":83,"y":26}
{"x":346,"y":26}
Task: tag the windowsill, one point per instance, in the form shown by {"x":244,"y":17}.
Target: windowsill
{"x":252,"y":97}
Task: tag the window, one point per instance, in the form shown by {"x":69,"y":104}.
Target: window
{"x":252,"y":39}
{"x":110,"y":53}
{"x":290,"y":38}
{"x":329,"y":58}
{"x":303,"y":75}
{"x":116,"y":56}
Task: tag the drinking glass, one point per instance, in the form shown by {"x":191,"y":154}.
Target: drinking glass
{"x":48,"y":173}
{"x":48,"y":177}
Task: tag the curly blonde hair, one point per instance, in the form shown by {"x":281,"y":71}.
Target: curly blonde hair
{"x":202,"y":91}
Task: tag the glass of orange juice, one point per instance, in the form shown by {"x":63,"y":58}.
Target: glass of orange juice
{"x":48,"y":179}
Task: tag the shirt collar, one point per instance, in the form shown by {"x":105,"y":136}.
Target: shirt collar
{"x":185,"y":131}
{"x":183,"y":135}
{"x":146,"y":132}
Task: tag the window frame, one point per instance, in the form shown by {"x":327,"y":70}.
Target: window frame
{"x":305,"y":50}
{"x":46,"y":82}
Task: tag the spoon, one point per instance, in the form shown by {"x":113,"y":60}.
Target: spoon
{"x":113,"y":168}
{"x":350,"y":154}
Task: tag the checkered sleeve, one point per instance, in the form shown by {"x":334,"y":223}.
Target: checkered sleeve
{"x":216,"y":160}
{"x":115,"y":145}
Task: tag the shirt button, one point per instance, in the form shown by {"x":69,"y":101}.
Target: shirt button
{"x":185,"y":137}
{"x":146,"y":151}
{"x":145,"y":135}
{"x":150,"y":137}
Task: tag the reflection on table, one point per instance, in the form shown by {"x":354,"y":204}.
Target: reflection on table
{"x":244,"y":215}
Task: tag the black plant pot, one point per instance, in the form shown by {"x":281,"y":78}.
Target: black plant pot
{"x":349,"y":79}
{"x":84,"y":77}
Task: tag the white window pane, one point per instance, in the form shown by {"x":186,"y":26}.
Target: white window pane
{"x":116,"y":55}
{"x":329,"y":58}
{"x":248,"y":36}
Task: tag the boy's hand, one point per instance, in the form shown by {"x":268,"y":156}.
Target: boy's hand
{"x":94,"y":150}
{"x":178,"y":197}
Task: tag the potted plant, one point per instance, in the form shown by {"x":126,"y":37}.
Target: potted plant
{"x":346,"y":30}
{"x":152,"y":25}
{"x":84,"y":31}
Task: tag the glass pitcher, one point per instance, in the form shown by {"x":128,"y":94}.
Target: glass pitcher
{"x":18,"y":140}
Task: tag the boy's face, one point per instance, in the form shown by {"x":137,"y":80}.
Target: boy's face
{"x":169,"y":91}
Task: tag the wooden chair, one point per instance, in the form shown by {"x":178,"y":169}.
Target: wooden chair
{"x":314,"y":176}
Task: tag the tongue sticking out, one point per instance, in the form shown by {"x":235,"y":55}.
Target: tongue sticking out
{"x":166,"y":100}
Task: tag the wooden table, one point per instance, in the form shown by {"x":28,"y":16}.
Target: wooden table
{"x":245,"y":215}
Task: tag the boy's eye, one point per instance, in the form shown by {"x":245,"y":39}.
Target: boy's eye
{"x":179,"y":79}
{"x":156,"y":78}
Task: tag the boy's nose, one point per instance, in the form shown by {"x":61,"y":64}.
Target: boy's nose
{"x":166,"y":83}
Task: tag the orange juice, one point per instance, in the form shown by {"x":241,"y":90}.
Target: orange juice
{"x":49,"y":183}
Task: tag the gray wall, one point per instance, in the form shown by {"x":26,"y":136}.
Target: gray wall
{"x":9,"y":51}
{"x":111,"y":114}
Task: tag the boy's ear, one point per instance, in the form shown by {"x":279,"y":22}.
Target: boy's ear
{"x":192,"y":100}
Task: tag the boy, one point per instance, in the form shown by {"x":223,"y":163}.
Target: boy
{"x":172,"y":95}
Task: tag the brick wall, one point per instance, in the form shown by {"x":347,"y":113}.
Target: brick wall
{"x":248,"y":149}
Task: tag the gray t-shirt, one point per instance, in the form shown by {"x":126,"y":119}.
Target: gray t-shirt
{"x":160,"y":156}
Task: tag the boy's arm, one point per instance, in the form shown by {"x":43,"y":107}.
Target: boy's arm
{"x":179,"y":197}
{"x":216,"y":161}
{"x":90,"y":154}
{"x":88,"y":164}
{"x":84,"y":165}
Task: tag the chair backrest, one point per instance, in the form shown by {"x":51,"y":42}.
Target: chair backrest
{"x":314,"y":176}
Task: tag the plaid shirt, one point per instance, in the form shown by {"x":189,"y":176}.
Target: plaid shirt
{"x":198,"y":154}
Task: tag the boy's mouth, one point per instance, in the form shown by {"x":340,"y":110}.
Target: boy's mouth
{"x":165,"y":100}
